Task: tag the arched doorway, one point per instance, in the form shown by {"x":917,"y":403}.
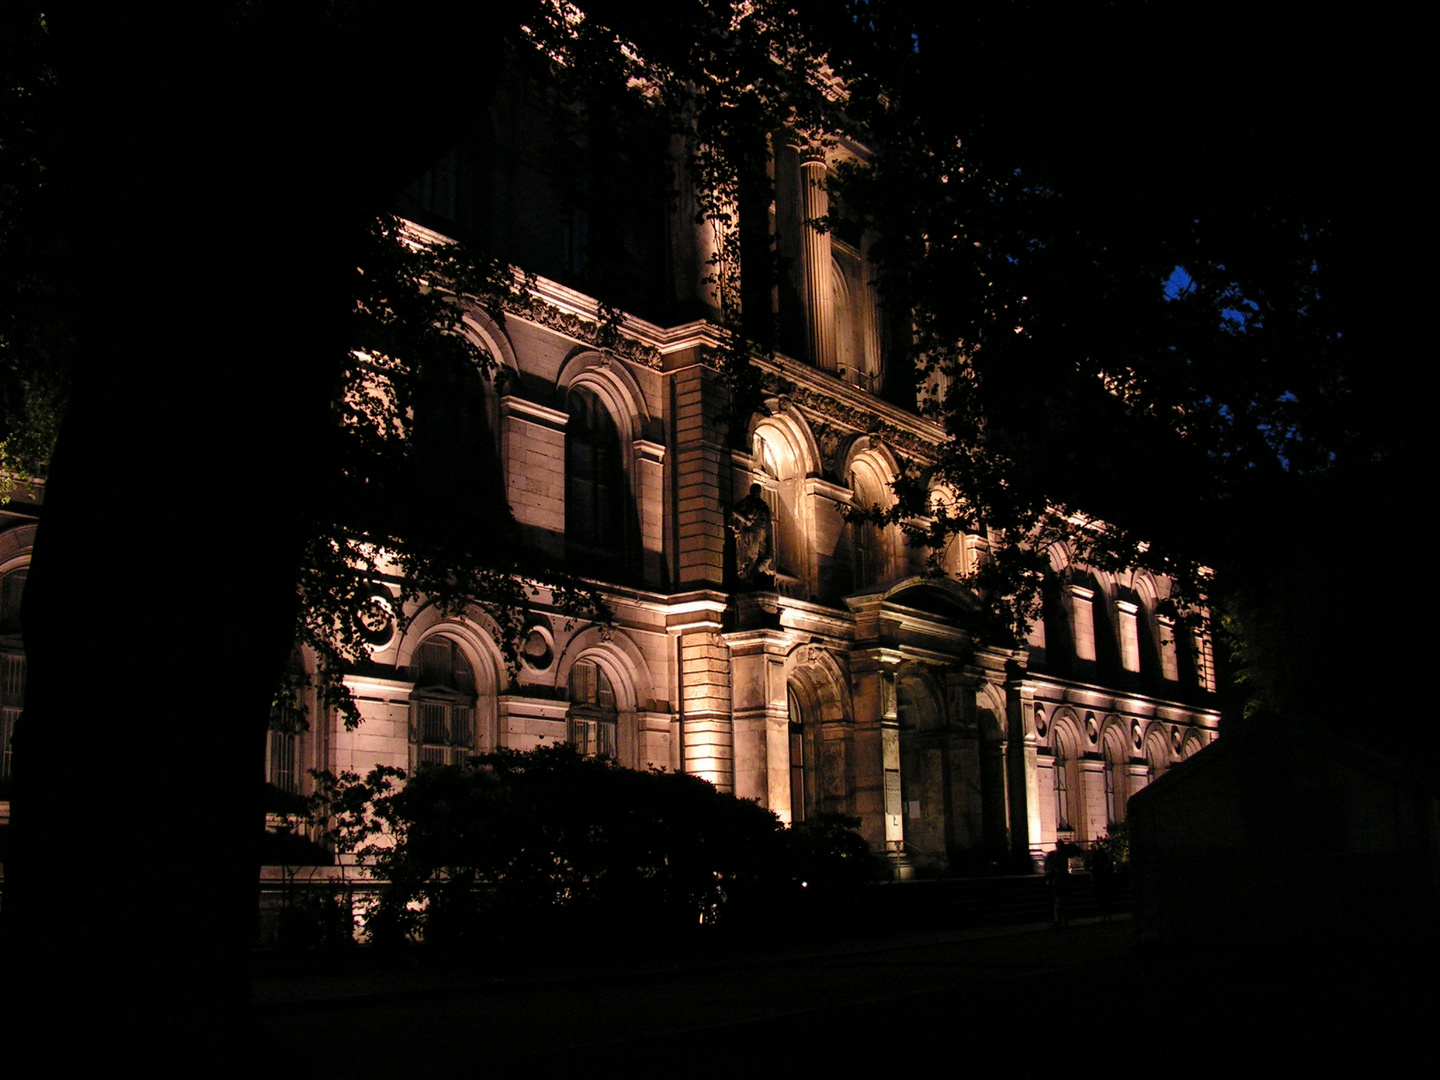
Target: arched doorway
{"x":798,"y":793}
{"x":821,"y":735}
{"x":1065,"y":780}
{"x":781,"y":473}
{"x":1157,"y":753}
{"x":925,"y":768}
{"x":994,"y":791}
{"x":1116,"y":775}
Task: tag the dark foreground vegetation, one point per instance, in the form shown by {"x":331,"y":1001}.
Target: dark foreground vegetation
{"x":513,"y":849}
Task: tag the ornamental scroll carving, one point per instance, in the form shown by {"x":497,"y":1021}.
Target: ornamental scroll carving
{"x":586,"y":330}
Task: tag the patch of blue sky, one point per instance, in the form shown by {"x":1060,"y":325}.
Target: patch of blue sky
{"x":1178,"y":283}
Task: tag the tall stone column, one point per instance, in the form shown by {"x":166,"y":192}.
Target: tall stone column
{"x":1024,"y":769}
{"x":890,"y":759}
{"x":871,"y":376}
{"x":815,"y":261}
{"x":995,"y":783}
{"x":877,"y":751}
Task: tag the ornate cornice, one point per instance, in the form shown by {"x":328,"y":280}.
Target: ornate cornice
{"x":589,"y":331}
{"x":837,"y":412}
{"x":552,"y":305}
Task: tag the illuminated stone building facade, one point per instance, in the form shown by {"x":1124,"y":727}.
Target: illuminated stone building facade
{"x":824,"y":671}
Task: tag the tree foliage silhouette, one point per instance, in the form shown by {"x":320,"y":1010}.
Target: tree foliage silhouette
{"x":1042,"y":177}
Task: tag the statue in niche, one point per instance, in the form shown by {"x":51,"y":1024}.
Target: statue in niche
{"x":750,"y":522}
{"x":829,"y":441}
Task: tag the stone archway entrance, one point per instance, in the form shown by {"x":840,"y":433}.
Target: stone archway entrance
{"x":799,"y":790}
{"x":821,"y":736}
{"x":952,"y":771}
{"x":925,"y":769}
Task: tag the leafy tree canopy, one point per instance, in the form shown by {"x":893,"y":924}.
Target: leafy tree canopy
{"x":1152,"y":291}
{"x":1161,"y":268}
{"x":34,"y":336}
{"x":1166,"y":262}
{"x":414,"y":493}
{"x":391,"y":503}
{"x":1260,"y":167}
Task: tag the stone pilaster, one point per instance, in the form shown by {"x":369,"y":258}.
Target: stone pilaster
{"x":533,"y":442}
{"x":650,"y":502}
{"x":1023,"y":767}
{"x":708,"y":736}
{"x":702,"y":472}
{"x":815,"y":261}
{"x":761,"y":717}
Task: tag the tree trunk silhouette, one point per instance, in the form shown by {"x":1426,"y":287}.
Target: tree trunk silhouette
{"x":218,"y":171}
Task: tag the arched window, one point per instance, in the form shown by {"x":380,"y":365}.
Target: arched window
{"x":797,"y":757}
{"x":1204,"y":654}
{"x":869,"y":544}
{"x":450,"y":408}
{"x":12,"y":666}
{"x":857,"y":345}
{"x":287,"y":721}
{"x":596,"y":525}
{"x":1157,"y":752}
{"x":925,"y":761}
{"x":1082,"y":617}
{"x":782,"y":494}
{"x":1067,"y":781}
{"x":442,"y":705}
{"x":456,"y":481}
{"x":594,"y":721}
{"x":1116,"y":789}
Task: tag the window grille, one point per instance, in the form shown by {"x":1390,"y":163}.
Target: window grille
{"x":12,"y":666}
{"x":797,"y":758}
{"x":593,"y":726}
{"x":1112,"y":806}
{"x":1063,"y":809}
{"x":12,"y":589}
{"x":12,"y":700}
{"x":283,"y":766}
{"x":1116,"y":785}
{"x":442,"y":708}
{"x":283,"y":752}
{"x":595,"y":490}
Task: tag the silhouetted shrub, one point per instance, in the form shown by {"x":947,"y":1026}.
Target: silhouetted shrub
{"x":281,"y":847}
{"x":514,"y":845}
{"x":826,"y":852}
{"x":1116,"y":844}
{"x":316,"y":917}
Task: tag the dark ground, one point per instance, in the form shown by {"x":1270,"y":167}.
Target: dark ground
{"x":1024,"y":1001}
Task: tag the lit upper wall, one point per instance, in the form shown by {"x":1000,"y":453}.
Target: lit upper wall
{"x":616,"y":218}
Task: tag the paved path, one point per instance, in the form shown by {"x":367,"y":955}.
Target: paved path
{"x":1019,"y":999}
